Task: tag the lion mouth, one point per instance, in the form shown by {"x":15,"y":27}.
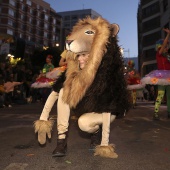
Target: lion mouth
{"x":76,"y":51}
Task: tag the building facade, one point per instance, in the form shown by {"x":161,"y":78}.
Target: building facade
{"x":70,"y":18}
{"x":28,"y":23}
{"x":153,"y":16}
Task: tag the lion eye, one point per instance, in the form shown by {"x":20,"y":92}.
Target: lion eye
{"x":89,"y":32}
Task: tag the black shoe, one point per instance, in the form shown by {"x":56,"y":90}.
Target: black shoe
{"x":96,"y":138}
{"x":61,"y":148}
{"x":156,"y":116}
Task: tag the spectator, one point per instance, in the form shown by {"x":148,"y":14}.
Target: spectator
{"x":9,"y":88}
{"x":2,"y":92}
{"x":145,"y":94}
{"x":2,"y":70}
{"x":47,"y":68}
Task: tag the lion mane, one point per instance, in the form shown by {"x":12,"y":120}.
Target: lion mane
{"x":100,"y":86}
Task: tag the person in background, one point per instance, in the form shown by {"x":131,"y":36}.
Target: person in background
{"x":2,"y":92}
{"x":9,"y":88}
{"x":2,"y":70}
{"x":163,"y":63}
{"x":48,"y":66}
{"x":28,"y":81}
{"x":133,"y":80}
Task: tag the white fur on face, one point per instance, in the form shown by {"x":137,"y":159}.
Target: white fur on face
{"x":81,"y":41}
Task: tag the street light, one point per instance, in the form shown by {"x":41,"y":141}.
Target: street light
{"x":10,"y":56}
{"x":57,"y":45}
{"x":122,"y":51}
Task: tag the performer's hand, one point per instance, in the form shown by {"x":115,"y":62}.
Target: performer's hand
{"x":167,"y":30}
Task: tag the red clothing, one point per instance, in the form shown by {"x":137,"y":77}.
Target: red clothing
{"x":162,"y":62}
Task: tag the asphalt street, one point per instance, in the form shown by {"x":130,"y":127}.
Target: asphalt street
{"x":141,"y":143}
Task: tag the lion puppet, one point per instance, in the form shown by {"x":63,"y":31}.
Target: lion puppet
{"x":97,"y":94}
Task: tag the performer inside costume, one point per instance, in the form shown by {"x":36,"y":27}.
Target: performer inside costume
{"x":163,"y":63}
{"x":95,"y":88}
{"x":133,"y":80}
{"x":161,"y":77}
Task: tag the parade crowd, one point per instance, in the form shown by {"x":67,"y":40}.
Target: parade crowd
{"x":18,"y":80}
{"x":15,"y":85}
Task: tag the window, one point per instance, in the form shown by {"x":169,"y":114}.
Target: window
{"x":151,"y":38}
{"x":38,"y":22}
{"x":30,"y":30}
{"x":53,"y":29}
{"x":28,"y":37}
{"x":54,"y":21}
{"x":10,"y":32}
{"x":46,"y":26}
{"x":28,"y":2}
{"x":165,"y":5}
{"x":151,"y":10}
{"x":53,"y":37}
{"x":38,"y":14}
{"x":144,"y":2}
{"x":30,"y":20}
{"x":56,"y":38}
{"x":151,"y":24}
{"x":66,"y":18}
{"x":22,"y":16}
{"x":11,"y":12}
{"x":23,"y":7}
{"x":20,"y":36}
{"x":23,"y":27}
{"x":37,"y":32}
{"x":74,"y":17}
{"x":67,"y":25}
{"x":11,"y":2}
{"x":45,"y":34}
{"x":31,"y":11}
{"x":45,"y":43}
{"x":46,"y":17}
{"x":10,"y":22}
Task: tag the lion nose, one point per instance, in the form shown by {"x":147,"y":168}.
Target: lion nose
{"x":69,"y":42}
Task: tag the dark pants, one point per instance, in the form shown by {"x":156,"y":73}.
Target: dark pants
{"x":8,"y":98}
{"x":45,"y":92}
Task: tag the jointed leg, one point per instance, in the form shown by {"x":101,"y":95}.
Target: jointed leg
{"x":44,"y":126}
{"x":168,"y":99}
{"x":161,"y":92}
{"x":48,"y":105}
{"x":91,"y":122}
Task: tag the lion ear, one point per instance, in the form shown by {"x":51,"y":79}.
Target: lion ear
{"x":115,"y":28}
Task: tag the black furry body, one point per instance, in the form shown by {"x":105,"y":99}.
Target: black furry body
{"x":108,"y":92}
{"x":59,"y":82}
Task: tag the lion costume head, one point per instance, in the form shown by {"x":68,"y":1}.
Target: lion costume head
{"x":100,"y":85}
